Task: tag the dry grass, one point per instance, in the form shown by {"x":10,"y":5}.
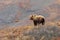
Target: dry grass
{"x":50,"y":31}
{"x":47,"y":32}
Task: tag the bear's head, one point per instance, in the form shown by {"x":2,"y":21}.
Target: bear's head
{"x":32,"y":17}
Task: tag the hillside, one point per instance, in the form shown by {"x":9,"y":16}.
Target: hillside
{"x":15,"y":23}
{"x":49,"y":31}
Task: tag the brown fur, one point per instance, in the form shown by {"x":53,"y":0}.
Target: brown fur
{"x":37,"y":20}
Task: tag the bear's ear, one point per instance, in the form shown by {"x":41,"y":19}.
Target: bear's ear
{"x":31,"y":17}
